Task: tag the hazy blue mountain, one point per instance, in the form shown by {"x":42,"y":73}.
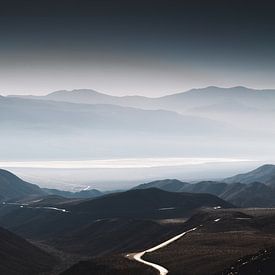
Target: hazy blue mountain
{"x":238,"y":106}
{"x":208,"y":121}
{"x":177,"y":102}
{"x":36,"y":114}
{"x":87,"y":96}
{"x":264,"y":174}
{"x":39,"y":129}
{"x":214,"y":95}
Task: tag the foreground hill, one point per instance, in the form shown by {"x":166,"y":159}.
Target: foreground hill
{"x":148,"y":203}
{"x":112,"y":223}
{"x":17,"y":256}
{"x":225,"y":240}
{"x":221,"y":238}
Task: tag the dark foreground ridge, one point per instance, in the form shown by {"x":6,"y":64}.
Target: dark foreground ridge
{"x":18,"y":256}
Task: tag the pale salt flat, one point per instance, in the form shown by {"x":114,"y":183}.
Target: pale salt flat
{"x":117,"y":163}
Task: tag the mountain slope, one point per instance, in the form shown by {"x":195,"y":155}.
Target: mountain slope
{"x":264,"y":174}
{"x":17,"y":256}
{"x":151,"y":203}
{"x":12,"y":187}
{"x":148,"y":203}
{"x":220,"y":239}
{"x":254,"y":194}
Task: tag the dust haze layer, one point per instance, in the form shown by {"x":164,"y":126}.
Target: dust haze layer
{"x":141,"y":136}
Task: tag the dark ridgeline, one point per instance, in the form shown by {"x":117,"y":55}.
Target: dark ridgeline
{"x":12,"y":187}
{"x":252,"y":189}
{"x":18,"y":256}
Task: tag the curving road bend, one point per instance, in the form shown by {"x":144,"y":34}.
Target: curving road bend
{"x":162,"y":271}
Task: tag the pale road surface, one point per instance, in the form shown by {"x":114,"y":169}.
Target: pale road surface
{"x":162,"y":271}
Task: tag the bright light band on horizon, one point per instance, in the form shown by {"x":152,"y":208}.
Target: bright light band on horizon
{"x":118,"y":163}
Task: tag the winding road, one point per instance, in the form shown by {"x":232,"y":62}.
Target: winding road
{"x":138,"y":256}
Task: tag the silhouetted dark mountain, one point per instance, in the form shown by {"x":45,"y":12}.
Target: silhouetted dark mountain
{"x":264,"y":174}
{"x":17,"y":256}
{"x":12,"y":187}
{"x":147,"y":203}
{"x":47,"y":223}
{"x":255,"y":194}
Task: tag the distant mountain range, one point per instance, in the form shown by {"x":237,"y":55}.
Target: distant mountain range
{"x":77,"y":124}
{"x":253,"y":189}
{"x":254,"y":194}
{"x":210,"y":96}
{"x":51,"y":129}
{"x":67,"y":124}
{"x":44,"y":115}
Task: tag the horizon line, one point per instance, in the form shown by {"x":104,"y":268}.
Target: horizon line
{"x":136,"y":95}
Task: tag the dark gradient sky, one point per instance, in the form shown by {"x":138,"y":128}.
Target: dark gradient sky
{"x":135,"y":47}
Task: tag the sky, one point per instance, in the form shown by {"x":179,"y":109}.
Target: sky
{"x":151,"y":48}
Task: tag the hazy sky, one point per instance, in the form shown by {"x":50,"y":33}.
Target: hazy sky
{"x":152,"y":47}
